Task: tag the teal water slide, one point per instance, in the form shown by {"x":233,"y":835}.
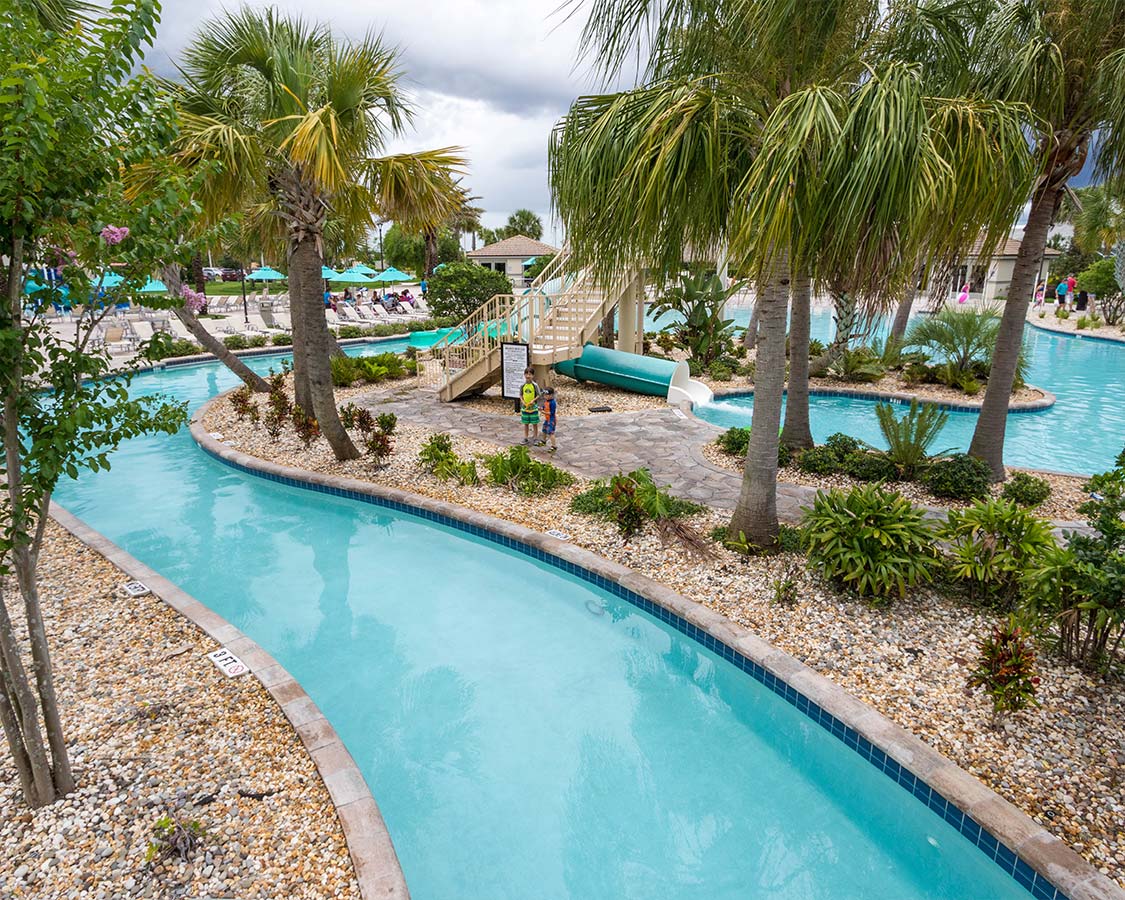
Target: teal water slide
{"x":633,"y":372}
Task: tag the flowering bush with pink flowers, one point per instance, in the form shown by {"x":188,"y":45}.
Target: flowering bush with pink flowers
{"x":194,"y":301}
{"x":111,"y":234}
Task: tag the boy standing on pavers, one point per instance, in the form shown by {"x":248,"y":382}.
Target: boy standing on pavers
{"x":529,"y":406}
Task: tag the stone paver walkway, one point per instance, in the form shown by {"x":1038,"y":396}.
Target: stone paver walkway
{"x":667,"y":442}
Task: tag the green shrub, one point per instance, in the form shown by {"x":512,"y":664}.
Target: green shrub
{"x":387,"y":422}
{"x":235,"y":342}
{"x":818,"y":461}
{"x":163,"y":346}
{"x":1026,"y":490}
{"x":785,"y":587}
{"x":869,"y":466}
{"x":958,"y":477}
{"x":784,"y":456}
{"x":909,"y":438}
{"x":515,"y":469}
{"x":816,"y":348}
{"x":843,"y":445}
{"x":1061,"y":313}
{"x":282,"y":340}
{"x":857,"y":366}
{"x":307,"y":427}
{"x":734,"y":441}
{"x":257,"y":340}
{"x":353,"y":331}
{"x":872,"y":541}
{"x":720,"y":372}
{"x":379,"y":446}
{"x":991,"y":544}
{"x":460,"y":287}
{"x":1006,"y":667}
{"x":631,"y":500}
{"x":434,"y":449}
{"x":748,"y":370}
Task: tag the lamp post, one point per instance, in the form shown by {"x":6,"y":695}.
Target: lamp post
{"x":379,"y":228}
{"x":245,"y":306}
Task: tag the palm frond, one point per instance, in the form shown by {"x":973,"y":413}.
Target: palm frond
{"x":418,"y":190}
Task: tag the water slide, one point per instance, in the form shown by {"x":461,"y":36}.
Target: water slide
{"x":632,"y":372}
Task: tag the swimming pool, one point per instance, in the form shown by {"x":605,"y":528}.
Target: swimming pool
{"x":525,"y":733}
{"x":1082,"y":433}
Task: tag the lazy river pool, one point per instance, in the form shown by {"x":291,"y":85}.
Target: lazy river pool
{"x":1081,"y":434}
{"x":525,"y":733}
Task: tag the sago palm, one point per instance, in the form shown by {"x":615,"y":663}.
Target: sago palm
{"x":295,"y":120}
{"x":1066,"y":59}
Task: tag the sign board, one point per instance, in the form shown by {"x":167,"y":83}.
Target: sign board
{"x":561,"y":535}
{"x":227,"y":663}
{"x":514,"y":359}
{"x":134,"y":589}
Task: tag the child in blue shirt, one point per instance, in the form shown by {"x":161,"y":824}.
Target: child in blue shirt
{"x":549,"y":410}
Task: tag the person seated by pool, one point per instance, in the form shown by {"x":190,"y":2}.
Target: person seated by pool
{"x":390,"y":302}
{"x":348,"y":296}
{"x":406,"y":298}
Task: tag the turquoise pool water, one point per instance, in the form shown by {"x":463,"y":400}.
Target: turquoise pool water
{"x":525,"y":734}
{"x":1082,"y":433}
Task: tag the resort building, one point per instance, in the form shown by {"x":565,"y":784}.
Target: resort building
{"x":512,"y":256}
{"x":989,"y":279}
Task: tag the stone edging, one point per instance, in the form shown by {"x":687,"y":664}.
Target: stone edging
{"x":1026,"y":850}
{"x":901,"y":397}
{"x":369,"y":844}
{"x":1106,"y":338}
{"x":172,"y":362}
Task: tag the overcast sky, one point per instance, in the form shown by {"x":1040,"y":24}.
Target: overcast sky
{"x":491,"y":76}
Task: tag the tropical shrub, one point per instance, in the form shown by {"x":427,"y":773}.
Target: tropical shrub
{"x":387,"y":422}
{"x":785,"y":587}
{"x":1006,"y":667}
{"x":867,"y":466}
{"x":307,"y":427}
{"x":816,"y":348}
{"x":819,"y":461}
{"x":958,"y":477}
{"x":869,"y":540}
{"x":514,"y":468}
{"x":720,"y":372}
{"x":843,"y":445}
{"x":1026,"y":490}
{"x":1078,"y":591}
{"x":235,"y":342}
{"x":1100,"y":280}
{"x":240,"y":401}
{"x":458,"y":288}
{"x":257,"y":340}
{"x":1062,"y":313}
{"x":631,"y":500}
{"x":734,"y":441}
{"x":164,"y":346}
{"x":700,"y":301}
{"x":963,"y":338}
{"x":379,"y":446}
{"x":284,"y":339}
{"x":990,"y":545}
{"x":860,"y":365}
{"x":909,"y":438}
{"x":348,"y":370}
{"x":788,"y":541}
{"x":434,"y":449}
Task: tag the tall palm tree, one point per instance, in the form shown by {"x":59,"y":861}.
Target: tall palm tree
{"x":526,"y":222}
{"x":1097,"y":213}
{"x":758,"y":128}
{"x":293,"y":121}
{"x":1066,"y":59}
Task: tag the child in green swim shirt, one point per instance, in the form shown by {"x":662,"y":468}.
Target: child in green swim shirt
{"x":529,"y":406}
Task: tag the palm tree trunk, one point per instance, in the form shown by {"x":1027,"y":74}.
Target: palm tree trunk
{"x":197,"y":276}
{"x":750,"y":338}
{"x":171,"y":278}
{"x":902,"y":314}
{"x":431,"y":243}
{"x":300,"y":308}
{"x":988,"y":437}
{"x":797,"y":433}
{"x":306,"y":260}
{"x":755,"y":516}
{"x":606,"y":332}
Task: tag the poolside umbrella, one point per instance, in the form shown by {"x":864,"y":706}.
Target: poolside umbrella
{"x":327,"y":273}
{"x":440,"y":266}
{"x":351,"y":276}
{"x":154,"y":286}
{"x":366,"y":270}
{"x":265,"y":273}
{"x":392,"y":274}
{"x":108,"y":280}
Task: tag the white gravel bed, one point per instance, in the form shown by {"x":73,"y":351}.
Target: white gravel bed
{"x":154,"y":729}
{"x":1063,"y":762}
{"x":1065,"y":498}
{"x":1070,"y":325}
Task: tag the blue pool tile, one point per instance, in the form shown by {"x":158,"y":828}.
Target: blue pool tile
{"x":1005,"y":858}
{"x":987,"y":844}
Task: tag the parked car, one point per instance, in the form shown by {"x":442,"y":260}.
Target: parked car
{"x":232,"y":275}
{"x":212,"y":273}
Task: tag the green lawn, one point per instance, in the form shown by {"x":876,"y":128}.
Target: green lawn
{"x":234,"y":288}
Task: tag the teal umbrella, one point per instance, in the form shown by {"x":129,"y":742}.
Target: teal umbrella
{"x":108,"y":280}
{"x":265,"y":273}
{"x":440,"y":266}
{"x":392,"y":274}
{"x":360,"y":267}
{"x":326,"y":272}
{"x":154,"y":286}
{"x":352,"y":277}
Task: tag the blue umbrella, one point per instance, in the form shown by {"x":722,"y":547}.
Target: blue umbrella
{"x":108,"y":280}
{"x":326,"y":272}
{"x":154,"y":286}
{"x":266,"y":273}
{"x":351,"y":276}
{"x":392,"y":274}
{"x":360,"y":267}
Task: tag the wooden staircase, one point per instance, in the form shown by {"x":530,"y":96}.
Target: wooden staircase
{"x":556,"y":316}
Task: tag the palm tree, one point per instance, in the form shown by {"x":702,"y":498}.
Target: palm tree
{"x":526,"y":222}
{"x":759,"y":129}
{"x":292,"y":120}
{"x":1066,"y":60}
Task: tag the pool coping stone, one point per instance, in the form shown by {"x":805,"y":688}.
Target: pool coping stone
{"x":376,"y":865}
{"x":1034,"y":857}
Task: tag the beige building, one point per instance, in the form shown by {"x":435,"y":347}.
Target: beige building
{"x":512,"y":256}
{"x":989,"y":279}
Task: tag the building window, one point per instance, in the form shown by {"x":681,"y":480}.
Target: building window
{"x":959,"y":276}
